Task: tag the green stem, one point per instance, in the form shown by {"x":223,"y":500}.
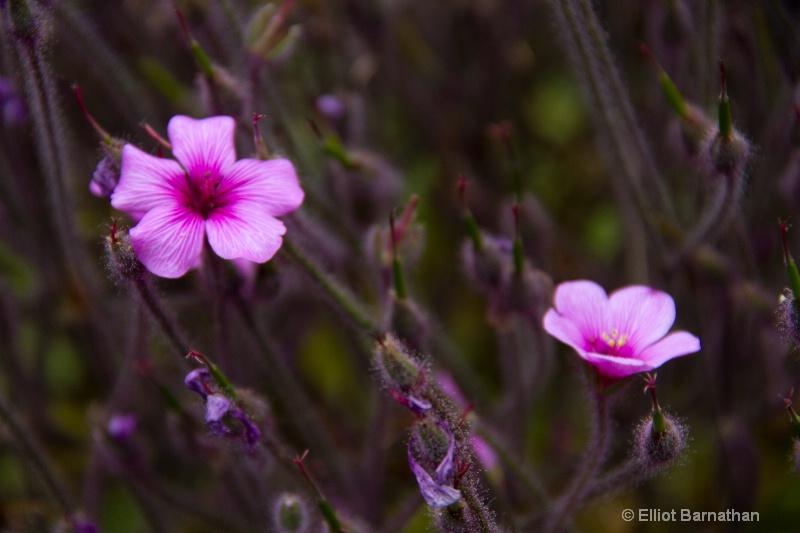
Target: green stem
{"x":514,"y":465}
{"x":162,"y":319}
{"x":334,"y":289}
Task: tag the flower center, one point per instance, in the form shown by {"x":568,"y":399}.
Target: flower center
{"x":609,"y":343}
{"x":202,"y":193}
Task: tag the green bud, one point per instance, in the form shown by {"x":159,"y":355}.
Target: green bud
{"x":661,"y":439}
{"x":290,"y":514}
{"x":400,"y":370}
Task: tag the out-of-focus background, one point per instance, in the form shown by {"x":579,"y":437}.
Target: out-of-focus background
{"x":375,"y":102}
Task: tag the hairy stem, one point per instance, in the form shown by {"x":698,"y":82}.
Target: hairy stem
{"x":581,"y":484}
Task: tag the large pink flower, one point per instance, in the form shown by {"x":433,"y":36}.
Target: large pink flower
{"x":621,"y":334}
{"x":205,"y":193}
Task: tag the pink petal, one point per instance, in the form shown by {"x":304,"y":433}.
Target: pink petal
{"x":244,"y":230}
{"x":203,"y":146}
{"x":168,"y":240}
{"x":273,"y":184}
{"x":585,"y":304}
{"x":642,"y":313}
{"x":673,"y":345}
{"x":147,"y":182}
{"x":615,"y":367}
{"x":564,"y":329}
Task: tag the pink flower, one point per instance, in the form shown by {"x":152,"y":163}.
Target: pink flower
{"x":621,"y":334}
{"x":205,"y":194}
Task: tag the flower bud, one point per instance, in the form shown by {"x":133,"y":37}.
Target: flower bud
{"x":267,"y":36}
{"x":485,"y":267}
{"x":399,"y":369}
{"x":291,"y":515}
{"x":330,"y":106}
{"x":727,"y":155}
{"x":660,"y":439}
{"x":727,"y":151}
{"x":456,"y":518}
{"x":121,"y":258}
{"x":121,"y":427}
{"x":529,"y":293}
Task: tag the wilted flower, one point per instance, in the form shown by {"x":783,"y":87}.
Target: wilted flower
{"x":221,"y":412}
{"x":105,"y":177}
{"x":621,"y":334}
{"x":436,"y":486}
{"x":205,"y":194}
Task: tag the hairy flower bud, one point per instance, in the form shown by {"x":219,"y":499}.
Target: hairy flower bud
{"x":727,"y":155}
{"x":399,"y":369}
{"x":291,"y":514}
{"x":485,"y":267}
{"x":121,"y":258}
{"x":431,"y":458}
{"x":660,"y":439}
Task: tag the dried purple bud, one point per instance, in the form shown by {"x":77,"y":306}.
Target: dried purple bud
{"x":419,"y":406}
{"x":330,"y":106}
{"x":105,"y":177}
{"x":121,"y":427}
{"x":198,"y":381}
{"x":220,"y":414}
{"x":425,"y":455}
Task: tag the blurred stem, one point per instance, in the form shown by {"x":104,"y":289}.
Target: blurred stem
{"x":41,"y":100}
{"x":626,"y":475}
{"x":514,"y":465}
{"x":334,"y":289}
{"x":724,"y":204}
{"x":36,"y":457}
{"x":230,"y":19}
{"x":163,"y":320}
{"x":120,"y":81}
{"x":214,"y":270}
{"x":564,"y":509}
{"x":622,"y":105}
{"x":288,"y":395}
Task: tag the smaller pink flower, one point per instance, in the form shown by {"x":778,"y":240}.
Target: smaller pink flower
{"x":204,"y":196}
{"x":620,"y":334}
